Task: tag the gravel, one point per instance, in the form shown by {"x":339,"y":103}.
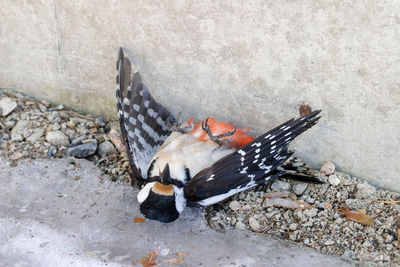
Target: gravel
{"x":35,"y":129}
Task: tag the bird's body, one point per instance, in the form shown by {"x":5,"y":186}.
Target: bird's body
{"x":203,"y":162}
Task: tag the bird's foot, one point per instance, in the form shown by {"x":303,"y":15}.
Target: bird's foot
{"x":216,"y":138}
{"x":175,"y":125}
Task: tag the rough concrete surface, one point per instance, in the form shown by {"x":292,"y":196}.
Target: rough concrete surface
{"x":49,"y":217}
{"x":250,"y":62}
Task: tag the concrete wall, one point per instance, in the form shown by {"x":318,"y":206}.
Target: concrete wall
{"x":252,"y":62}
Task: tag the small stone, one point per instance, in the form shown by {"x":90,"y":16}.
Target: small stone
{"x":78,"y":141}
{"x":327,"y":168}
{"x":83,"y":150}
{"x":240,"y":225}
{"x":106,"y":148}
{"x":279,"y":185}
{"x":16,"y":156}
{"x":234,"y":205}
{"x":293,"y":226}
{"x":57,"y":138}
{"x":115,"y":138}
{"x":7,"y":105}
{"x":100,"y":121}
{"x":347,"y":255}
{"x":329,"y":242}
{"x":42,"y":108}
{"x":334,"y":180}
{"x":365,"y":190}
{"x":310,"y":213}
{"x":299,"y":188}
{"x":56,"y":127}
{"x":17,"y":131}
{"x":339,"y":221}
{"x":36,"y":134}
{"x":293,"y":237}
{"x":71,"y":125}
{"x":254,"y":224}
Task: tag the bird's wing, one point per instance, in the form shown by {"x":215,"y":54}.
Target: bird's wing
{"x":143,"y":121}
{"x":253,"y":164}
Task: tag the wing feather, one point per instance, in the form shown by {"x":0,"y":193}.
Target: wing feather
{"x":143,"y":121}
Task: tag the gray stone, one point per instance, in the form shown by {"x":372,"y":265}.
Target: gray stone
{"x":57,"y":138}
{"x":36,"y":134}
{"x":78,"y":141}
{"x":334,"y":180}
{"x":311,"y":212}
{"x":240,"y":225}
{"x":82,"y":151}
{"x":293,"y":226}
{"x":100,"y":121}
{"x":279,"y":185}
{"x":254,"y":224}
{"x":327,"y":168}
{"x":234,"y":205}
{"x":18,"y":129}
{"x":299,"y":188}
{"x":365,"y":190}
{"x":7,"y":105}
{"x":106,"y":148}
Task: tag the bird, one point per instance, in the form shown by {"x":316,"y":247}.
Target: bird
{"x":201,"y":162}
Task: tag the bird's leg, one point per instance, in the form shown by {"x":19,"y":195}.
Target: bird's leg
{"x":175,"y":125}
{"x":215,"y":138}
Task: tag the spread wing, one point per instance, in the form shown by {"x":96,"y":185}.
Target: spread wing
{"x":143,"y":121}
{"x":253,"y":164}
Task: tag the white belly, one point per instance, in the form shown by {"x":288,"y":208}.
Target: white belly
{"x":183,"y":150}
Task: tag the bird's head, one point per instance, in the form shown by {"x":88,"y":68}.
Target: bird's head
{"x":161,"y":200}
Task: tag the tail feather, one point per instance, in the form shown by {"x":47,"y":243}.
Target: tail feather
{"x":295,"y":169}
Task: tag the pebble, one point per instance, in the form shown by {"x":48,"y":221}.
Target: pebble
{"x":280,"y":185}
{"x":254,"y":224}
{"x":240,"y":225}
{"x":334,"y":180}
{"x":234,"y":205}
{"x":311,"y":212}
{"x":42,"y":108}
{"x":327,"y":168}
{"x":82,"y":151}
{"x":100,"y":121}
{"x":57,"y":138}
{"x":364,"y":190}
{"x":293,"y":226}
{"x":79,"y":140}
{"x":106,"y":148}
{"x":329,"y":242}
{"x":18,"y":129}
{"x":299,"y":188}
{"x":36,"y":134}
{"x":115,"y":138}
{"x":7,"y":105}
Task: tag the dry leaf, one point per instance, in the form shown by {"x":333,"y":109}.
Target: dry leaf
{"x":388,"y":201}
{"x":358,"y":216}
{"x":148,"y":260}
{"x":139,"y":220}
{"x":287,"y":203}
{"x":396,"y":260}
{"x":276,"y":194}
{"x":174,"y":260}
{"x":184,"y":254}
{"x":304,"y":110}
{"x":398,"y":234}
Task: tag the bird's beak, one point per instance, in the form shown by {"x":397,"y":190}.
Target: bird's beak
{"x":165,"y":175}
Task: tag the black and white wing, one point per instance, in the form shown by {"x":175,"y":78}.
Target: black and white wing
{"x":143,"y":121}
{"x":253,"y":164}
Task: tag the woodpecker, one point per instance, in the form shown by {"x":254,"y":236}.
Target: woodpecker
{"x":202,"y":162}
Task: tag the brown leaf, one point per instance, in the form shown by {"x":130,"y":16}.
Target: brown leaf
{"x":398,"y":234}
{"x":184,"y":254}
{"x":304,"y":110}
{"x":287,"y":203}
{"x":276,"y":194}
{"x":139,"y":220}
{"x":359,"y":216}
{"x":174,"y":260}
{"x":148,"y":260}
{"x":388,"y":201}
